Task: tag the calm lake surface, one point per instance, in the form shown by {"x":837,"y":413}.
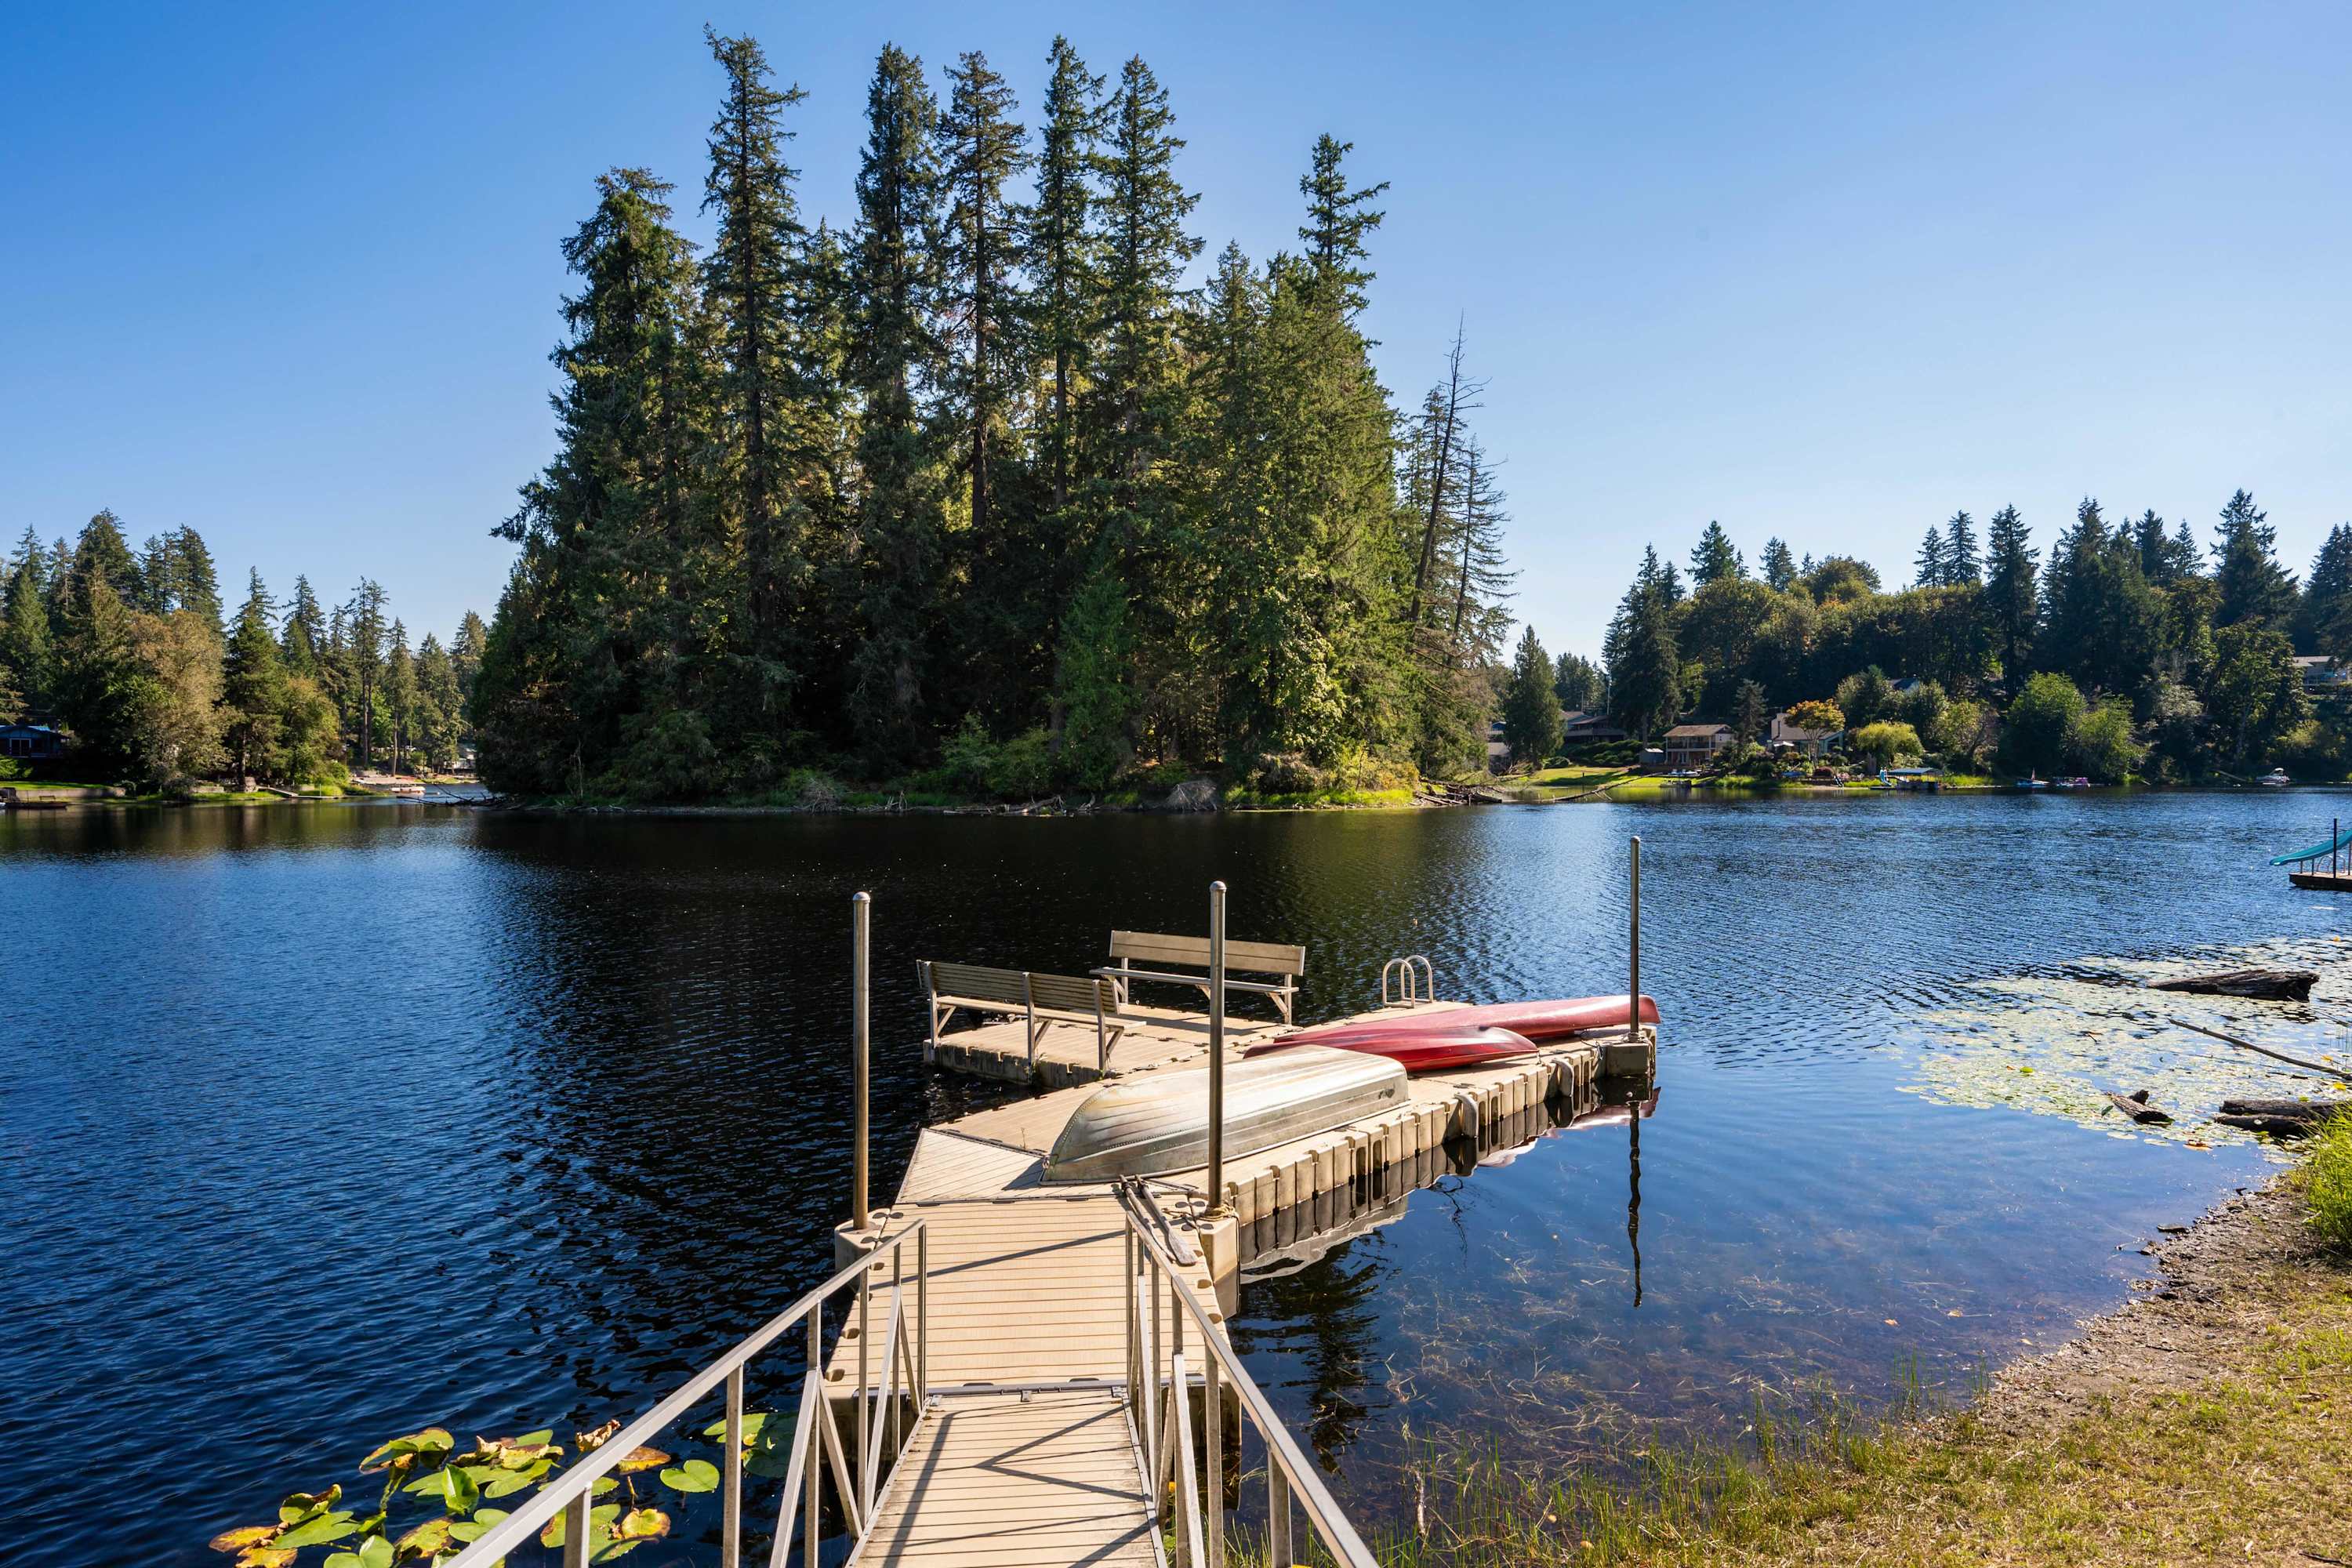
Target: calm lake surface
{"x":320,"y":1124}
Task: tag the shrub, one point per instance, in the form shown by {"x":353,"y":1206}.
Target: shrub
{"x":2100,"y":741}
{"x":1284,"y":773}
{"x":1876,"y":745}
{"x":1022,"y":767}
{"x":2327,"y":1181}
{"x":2040,"y":720}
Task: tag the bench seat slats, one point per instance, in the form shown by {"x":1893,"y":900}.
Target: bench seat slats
{"x":1040,"y":999}
{"x":1259,"y":957}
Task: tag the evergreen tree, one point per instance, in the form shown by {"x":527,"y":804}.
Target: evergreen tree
{"x":254,"y":689}
{"x":1530,"y":706}
{"x":101,"y":551}
{"x":1780,"y":566}
{"x":1963,"y":567}
{"x":1713,"y":559}
{"x":2104,"y":623}
{"x":1747,"y":717}
{"x":26,"y":649}
{"x":174,"y":696}
{"x":362,"y":647}
{"x":99,"y":673}
{"x":1437,"y":476}
{"x":1146,"y":249}
{"x":2321,"y":618}
{"x":1578,"y":682}
{"x":749,"y":280}
{"x":2011,"y":602}
{"x":1931,"y":567}
{"x":465,"y":654}
{"x":178,"y":574}
{"x":1338,"y":222}
{"x":1006,"y":614}
{"x":894,"y":349}
{"x":2254,"y":587}
{"x":1644,"y":665}
{"x":400,"y":695}
{"x":2155,"y":559}
{"x":440,"y":705}
{"x":1063,"y":253}
{"x":304,"y":630}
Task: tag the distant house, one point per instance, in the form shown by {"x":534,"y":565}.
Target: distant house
{"x":31,"y":743}
{"x":1577,"y":725}
{"x":1690,"y":747}
{"x":2321,"y":673}
{"x":1785,"y":736}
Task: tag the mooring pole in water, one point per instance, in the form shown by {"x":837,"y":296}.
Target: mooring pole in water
{"x":1216,"y":1048}
{"x":861,"y":921}
{"x":1633,"y":947}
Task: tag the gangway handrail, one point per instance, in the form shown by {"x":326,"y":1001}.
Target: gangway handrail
{"x":1163,"y":1427}
{"x":572,"y":1489}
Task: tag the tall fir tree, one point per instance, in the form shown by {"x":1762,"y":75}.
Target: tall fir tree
{"x":1929,"y":570}
{"x":1963,"y":565}
{"x":1780,"y":566}
{"x":254,"y":691}
{"x":2254,"y":586}
{"x":304,"y":630}
{"x":1530,"y":706}
{"x":894,"y":352}
{"x":1338,"y":224}
{"x":1713,"y":559}
{"x":748,"y":278}
{"x":2012,"y":604}
{"x":1063,"y":254}
{"x":2327,"y":604}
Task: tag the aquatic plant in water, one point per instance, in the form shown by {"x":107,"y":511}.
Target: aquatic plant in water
{"x":437,"y":1498}
{"x":2054,"y":1042}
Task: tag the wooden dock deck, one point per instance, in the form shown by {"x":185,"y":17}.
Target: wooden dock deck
{"x":1026,"y":1453}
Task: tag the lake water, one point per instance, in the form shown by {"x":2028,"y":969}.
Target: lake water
{"x":320,"y":1124}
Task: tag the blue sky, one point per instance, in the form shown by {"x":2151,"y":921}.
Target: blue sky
{"x":289,"y":273}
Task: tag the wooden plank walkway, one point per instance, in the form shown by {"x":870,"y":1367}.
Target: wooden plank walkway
{"x":1018,"y":1481}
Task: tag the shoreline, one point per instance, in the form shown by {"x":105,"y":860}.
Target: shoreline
{"x":2202,"y":1419}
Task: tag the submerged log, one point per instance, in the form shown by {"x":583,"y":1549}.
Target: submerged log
{"x":2269,"y":985}
{"x":2290,"y":1110}
{"x":2136,"y":1106}
{"x":2277,"y":1126}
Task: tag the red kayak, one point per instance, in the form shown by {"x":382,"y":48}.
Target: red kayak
{"x":1425,"y":1047}
{"x":1537,"y":1020}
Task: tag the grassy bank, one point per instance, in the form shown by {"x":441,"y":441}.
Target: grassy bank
{"x":2204,"y":1422}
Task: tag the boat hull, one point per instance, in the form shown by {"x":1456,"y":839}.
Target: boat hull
{"x":1158,"y":1122}
{"x":1429,"y":1048}
{"x":1539,"y":1021}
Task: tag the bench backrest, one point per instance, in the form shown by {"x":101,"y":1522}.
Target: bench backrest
{"x":1060,"y":992}
{"x":1253,"y":957}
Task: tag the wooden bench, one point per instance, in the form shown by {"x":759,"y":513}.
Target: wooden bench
{"x":1042,"y":1000}
{"x":1131,"y":948}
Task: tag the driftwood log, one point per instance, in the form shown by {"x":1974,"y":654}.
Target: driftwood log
{"x":2268,"y":985}
{"x":2136,"y":1106}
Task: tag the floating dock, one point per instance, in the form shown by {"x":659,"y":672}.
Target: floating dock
{"x":1026,"y":1454}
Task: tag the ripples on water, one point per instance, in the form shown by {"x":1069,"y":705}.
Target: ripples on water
{"x":319,"y":1124}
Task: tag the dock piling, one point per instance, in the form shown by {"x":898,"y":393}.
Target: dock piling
{"x":861,"y":912}
{"x":1217,"y":1206}
{"x":1633,"y":949}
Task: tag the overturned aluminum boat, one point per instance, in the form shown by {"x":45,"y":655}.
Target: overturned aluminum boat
{"x":1158,"y":1122}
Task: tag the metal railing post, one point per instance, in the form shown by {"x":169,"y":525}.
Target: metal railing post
{"x":923,"y":1317}
{"x":1217,"y":1049}
{"x":1634,"y":950}
{"x":861,"y":911}
{"x":1212,"y":1439}
{"x":1278,"y":1512}
{"x":864,"y":1338}
{"x":730,"y":1518}
{"x":813,"y":1494}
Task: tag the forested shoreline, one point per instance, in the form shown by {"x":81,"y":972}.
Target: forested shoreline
{"x":130,"y":658}
{"x":2128,"y":651}
{"x":975,"y":490}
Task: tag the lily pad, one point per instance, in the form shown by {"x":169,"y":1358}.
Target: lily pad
{"x":246,"y":1535}
{"x":642,"y":1459}
{"x":694,"y":1476}
{"x":319,"y":1529}
{"x":375,"y":1551}
{"x":474,"y":1529}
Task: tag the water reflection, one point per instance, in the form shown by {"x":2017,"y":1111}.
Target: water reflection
{"x":324,"y":1123}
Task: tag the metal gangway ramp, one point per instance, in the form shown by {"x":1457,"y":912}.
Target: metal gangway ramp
{"x":1024,"y":1380}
